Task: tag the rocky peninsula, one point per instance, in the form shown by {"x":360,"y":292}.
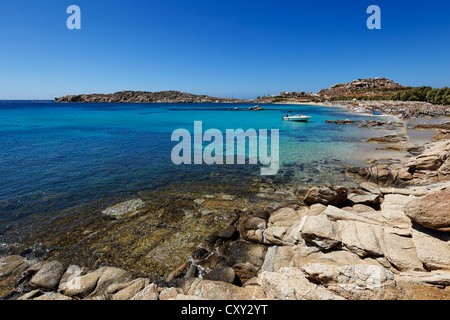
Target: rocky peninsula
{"x":145,"y":97}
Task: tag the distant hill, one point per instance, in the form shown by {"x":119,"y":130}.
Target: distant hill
{"x":376,"y":87}
{"x":145,"y":97}
{"x":361,"y":89}
{"x":364,"y":89}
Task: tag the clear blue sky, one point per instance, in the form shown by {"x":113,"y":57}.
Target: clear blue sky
{"x":221,"y":48}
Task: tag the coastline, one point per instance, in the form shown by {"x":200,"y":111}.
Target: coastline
{"x":226,"y":255}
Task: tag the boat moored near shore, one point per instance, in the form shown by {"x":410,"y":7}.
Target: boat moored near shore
{"x":291,"y":116}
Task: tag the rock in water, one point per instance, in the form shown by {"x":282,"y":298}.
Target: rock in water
{"x":431,"y":211}
{"x":225,"y":274}
{"x":124,"y":209}
{"x":245,"y":258}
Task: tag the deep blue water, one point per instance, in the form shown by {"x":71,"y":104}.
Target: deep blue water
{"x":55,"y":156}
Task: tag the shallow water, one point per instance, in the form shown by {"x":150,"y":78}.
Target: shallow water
{"x":61,"y":164}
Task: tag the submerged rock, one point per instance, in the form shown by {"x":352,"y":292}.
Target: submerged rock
{"x":225,"y":274}
{"x":124,"y":209}
{"x":245,"y":258}
{"x":390,"y":138}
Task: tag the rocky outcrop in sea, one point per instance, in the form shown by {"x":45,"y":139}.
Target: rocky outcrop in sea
{"x":401,"y":109}
{"x":145,"y":97}
{"x":431,"y":166}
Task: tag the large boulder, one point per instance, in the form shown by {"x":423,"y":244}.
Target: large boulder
{"x":432,"y":158}
{"x":336,"y":214}
{"x":399,"y":249}
{"x":48,"y":276}
{"x":366,"y":199}
{"x":218,"y":290}
{"x":109,"y":276}
{"x":10,"y":269}
{"x":245,"y":258}
{"x":362,"y":238}
{"x":433,"y":252}
{"x":252,"y":228}
{"x":431,"y":211}
{"x":283,"y":225}
{"x":378,"y":173}
{"x":77,"y":285}
{"x":370,"y":187}
{"x":425,"y":162}
{"x":320,"y":231}
{"x":352,"y":281}
{"x":126,"y":291}
{"x":291,"y":284}
{"x":225,"y":274}
{"x":326,"y":195}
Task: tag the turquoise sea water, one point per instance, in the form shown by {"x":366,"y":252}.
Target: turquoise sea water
{"x":57,"y":156}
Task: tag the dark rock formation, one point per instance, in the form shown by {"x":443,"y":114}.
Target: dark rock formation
{"x":391,"y":138}
{"x":145,"y":97}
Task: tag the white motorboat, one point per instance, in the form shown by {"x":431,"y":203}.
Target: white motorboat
{"x":291,"y":116}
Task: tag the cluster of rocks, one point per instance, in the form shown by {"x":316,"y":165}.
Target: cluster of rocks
{"x":368,"y":243}
{"x":255,"y":108}
{"x":341,"y":122}
{"x":431,"y":166}
{"x":402,"y":109}
{"x":386,"y":125}
{"x":389,"y":138}
{"x":405,"y":109}
{"x":445,"y":126}
{"x":441,"y":135}
{"x":29,"y":280}
{"x":341,"y":245}
{"x":145,"y":97}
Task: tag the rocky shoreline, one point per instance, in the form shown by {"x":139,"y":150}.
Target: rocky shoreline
{"x":401,"y":109}
{"x":388,"y":238}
